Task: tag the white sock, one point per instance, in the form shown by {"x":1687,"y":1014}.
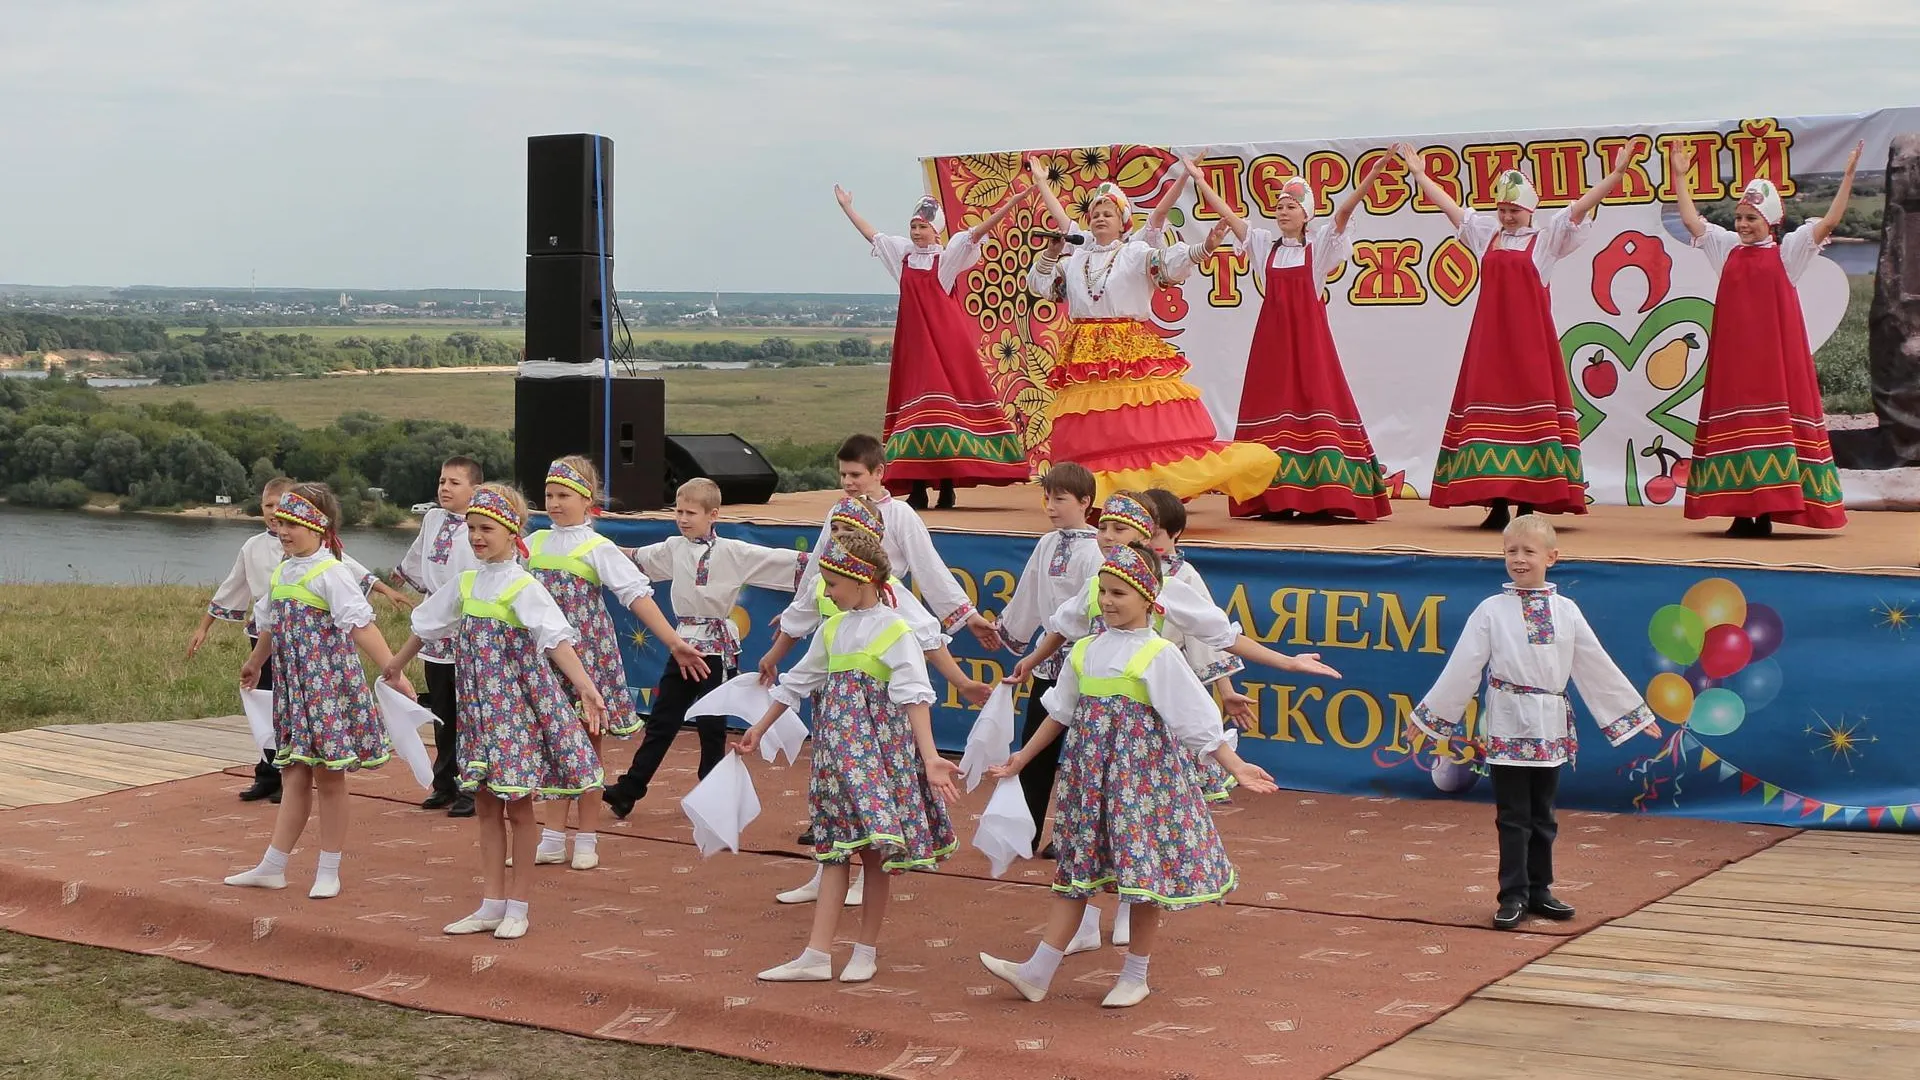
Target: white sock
{"x":552,"y":842}
{"x":810,"y":957}
{"x":273,"y":862}
{"x":819,"y":871}
{"x":493,"y":909}
{"x":1123,"y":916}
{"x":585,"y":841}
{"x":1133,"y":969}
{"x":864,"y":952}
{"x":516,"y":909}
{"x":1089,"y":922}
{"x":1039,"y":969}
{"x":329,"y":867}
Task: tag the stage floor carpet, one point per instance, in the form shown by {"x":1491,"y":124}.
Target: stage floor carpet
{"x":1357,"y":920}
{"x":1878,"y":541}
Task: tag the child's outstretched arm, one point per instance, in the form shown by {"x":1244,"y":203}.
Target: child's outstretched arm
{"x":979,"y":232}
{"x":595,"y":706}
{"x":973,"y":690}
{"x":1838,"y":209}
{"x":1417,"y":169}
{"x":1442,"y":713}
{"x":1623,"y":160}
{"x":940,"y":771}
{"x":1044,"y":736}
{"x":256,"y":660}
{"x":1343,"y":211}
{"x":1679,"y":166}
{"x":845,"y":199}
{"x":375,"y":649}
{"x":1252,"y":651}
{"x":685,"y":656}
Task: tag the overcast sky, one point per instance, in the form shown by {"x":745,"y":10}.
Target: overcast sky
{"x":363,"y":144}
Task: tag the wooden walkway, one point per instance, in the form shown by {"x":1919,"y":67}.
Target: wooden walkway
{"x":75,"y":761}
{"x":1800,"y":963}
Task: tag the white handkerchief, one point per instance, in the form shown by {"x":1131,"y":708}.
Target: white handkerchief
{"x":1006,"y":826}
{"x":991,"y":740}
{"x":404,"y":718}
{"x":784,"y":737}
{"x":740,"y":696}
{"x":722,"y":806}
{"x":259,"y":708}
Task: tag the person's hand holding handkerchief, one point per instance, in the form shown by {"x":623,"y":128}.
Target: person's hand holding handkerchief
{"x":722,"y":806}
{"x":991,"y":740}
{"x":1006,"y":827}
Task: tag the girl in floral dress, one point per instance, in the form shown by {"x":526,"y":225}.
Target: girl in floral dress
{"x":519,"y":735}
{"x":578,"y":566}
{"x":1132,"y":820}
{"x":325,"y":722}
{"x":879,"y":784}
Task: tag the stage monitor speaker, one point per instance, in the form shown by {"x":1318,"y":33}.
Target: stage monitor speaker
{"x":567,"y":307}
{"x":556,"y":417}
{"x":569,"y":195}
{"x":732,"y":462}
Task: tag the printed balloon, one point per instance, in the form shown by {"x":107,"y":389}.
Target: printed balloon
{"x":1453,"y":777}
{"x":1717,"y":712}
{"x":1671,"y":697}
{"x":1678,"y":633}
{"x":1765,"y":629}
{"x":1757,"y":684}
{"x":1725,"y":650}
{"x":1698,"y":678}
{"x":1717,"y":601}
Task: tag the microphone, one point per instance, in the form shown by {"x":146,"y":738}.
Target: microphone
{"x":1071,"y":238}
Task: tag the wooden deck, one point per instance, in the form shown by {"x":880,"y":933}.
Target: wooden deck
{"x":75,"y":761}
{"x":1800,"y":963}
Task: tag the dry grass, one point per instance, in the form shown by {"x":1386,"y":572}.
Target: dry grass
{"x":802,"y":405}
{"x":436,"y":329}
{"x":80,"y":1013}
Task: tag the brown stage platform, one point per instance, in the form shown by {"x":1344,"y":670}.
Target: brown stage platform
{"x":1873,"y":541}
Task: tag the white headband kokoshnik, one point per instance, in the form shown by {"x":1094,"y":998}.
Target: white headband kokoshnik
{"x":928,"y":211}
{"x":1296,"y":188}
{"x":1764,"y":197}
{"x":1514,"y":189}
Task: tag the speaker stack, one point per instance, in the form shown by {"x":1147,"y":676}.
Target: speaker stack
{"x":563,"y":402}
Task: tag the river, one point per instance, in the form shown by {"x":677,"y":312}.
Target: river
{"x":147,"y":549}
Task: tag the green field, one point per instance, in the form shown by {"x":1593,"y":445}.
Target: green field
{"x":802,"y":405}
{"x":440,"y":328}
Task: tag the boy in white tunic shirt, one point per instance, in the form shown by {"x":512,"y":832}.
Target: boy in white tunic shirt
{"x":1529,"y":641}
{"x":439,"y":555}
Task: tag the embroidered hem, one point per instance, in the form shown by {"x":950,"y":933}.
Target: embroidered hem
{"x":1078,"y":889}
{"x":1626,"y":727}
{"x":1436,"y":727}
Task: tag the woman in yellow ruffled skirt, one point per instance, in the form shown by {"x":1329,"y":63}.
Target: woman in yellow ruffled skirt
{"x":1121,"y":405}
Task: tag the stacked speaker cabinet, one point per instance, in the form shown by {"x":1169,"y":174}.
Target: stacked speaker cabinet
{"x":569,"y":301}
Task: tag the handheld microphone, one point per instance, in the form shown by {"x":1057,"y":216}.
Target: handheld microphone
{"x":1071,"y":238}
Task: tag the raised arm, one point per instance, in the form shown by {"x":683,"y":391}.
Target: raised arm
{"x":1418,"y":170}
{"x":1214,"y":201}
{"x":1679,"y":165}
{"x":979,"y":232}
{"x":1158,"y":219}
{"x":1623,"y":160}
{"x":1831,"y":220}
{"x":1344,"y":211}
{"x":1061,"y":221}
{"x":845,"y":199}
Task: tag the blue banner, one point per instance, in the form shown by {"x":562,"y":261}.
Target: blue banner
{"x":1785,"y":697}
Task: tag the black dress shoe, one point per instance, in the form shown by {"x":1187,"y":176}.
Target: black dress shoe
{"x":1550,"y":908}
{"x":618,"y":801}
{"x":806,"y":838}
{"x":1498,"y":515}
{"x":1050,"y":851}
{"x":917,"y":498}
{"x":947,"y":500}
{"x":262,"y":789}
{"x":439,"y":800}
{"x":462,"y":807}
{"x":1509,"y":915}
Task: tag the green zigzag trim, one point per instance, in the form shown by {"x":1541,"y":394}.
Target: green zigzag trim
{"x":1330,"y":467}
{"x":1481,"y":460}
{"x":1723,"y":474}
{"x":943,"y":443}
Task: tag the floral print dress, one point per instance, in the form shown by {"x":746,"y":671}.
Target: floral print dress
{"x":324,"y":713}
{"x":568,"y":561}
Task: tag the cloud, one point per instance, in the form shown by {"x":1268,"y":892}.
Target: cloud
{"x":363,"y":144}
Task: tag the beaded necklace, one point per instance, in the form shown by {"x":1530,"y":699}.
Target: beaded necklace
{"x":1106,"y":273}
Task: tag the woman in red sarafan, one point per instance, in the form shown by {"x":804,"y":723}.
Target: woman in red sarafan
{"x":1121,"y":407}
{"x":1513,"y":437}
{"x":944,"y":424}
{"x":1295,"y":399}
{"x":1760,"y":453}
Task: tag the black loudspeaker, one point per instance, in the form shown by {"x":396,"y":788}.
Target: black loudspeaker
{"x":567,"y":307}
{"x":728,"y":460}
{"x":556,"y":417}
{"x":569,"y":195}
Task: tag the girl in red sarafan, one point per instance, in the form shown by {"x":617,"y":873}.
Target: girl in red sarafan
{"x":1512,"y":437}
{"x":944,"y":424}
{"x":1760,"y":454}
{"x":1295,"y":399}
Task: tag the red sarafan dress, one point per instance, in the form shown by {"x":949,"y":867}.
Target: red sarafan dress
{"x":1296,"y":401}
{"x":1512,"y":432}
{"x":1761,"y":446}
{"x":943,"y":423}
{"x":1121,"y":406}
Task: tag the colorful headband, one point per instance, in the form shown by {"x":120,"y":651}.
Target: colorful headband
{"x":859,"y":514}
{"x":1132,"y":567}
{"x":1296,"y":188}
{"x":300,"y":510}
{"x":1764,"y":197}
{"x":848,"y":565}
{"x":1514,"y":189}
{"x":494,"y":505}
{"x":569,"y":477}
{"x":928,"y":211}
{"x":1128,"y":511}
{"x":1112,"y":192}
